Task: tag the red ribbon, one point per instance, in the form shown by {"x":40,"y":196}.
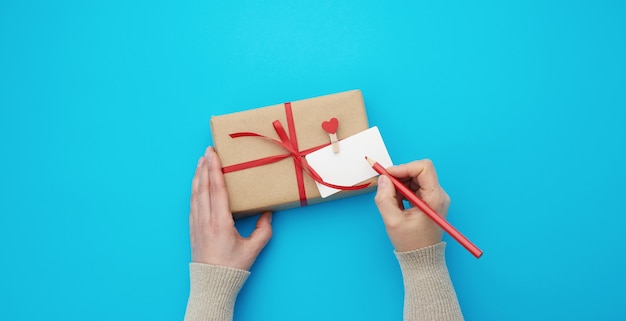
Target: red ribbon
{"x":290,"y":143}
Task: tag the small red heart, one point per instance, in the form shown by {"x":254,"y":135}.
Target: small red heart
{"x":331,"y":125}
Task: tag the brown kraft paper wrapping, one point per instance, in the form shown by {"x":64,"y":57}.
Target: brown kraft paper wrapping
{"x":274,"y":186}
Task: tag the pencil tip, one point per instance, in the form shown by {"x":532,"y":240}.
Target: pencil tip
{"x":371,"y":161}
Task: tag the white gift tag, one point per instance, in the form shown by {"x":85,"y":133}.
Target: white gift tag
{"x":349,"y":167}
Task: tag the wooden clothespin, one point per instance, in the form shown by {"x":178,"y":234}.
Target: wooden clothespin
{"x":331,"y":127}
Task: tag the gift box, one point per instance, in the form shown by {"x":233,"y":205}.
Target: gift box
{"x":262,"y":151}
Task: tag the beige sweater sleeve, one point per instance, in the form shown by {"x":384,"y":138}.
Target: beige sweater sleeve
{"x":213,"y":290}
{"x":428,"y":290}
{"x":429,"y":294}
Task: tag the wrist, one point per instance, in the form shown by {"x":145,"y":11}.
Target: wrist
{"x":414,"y":240}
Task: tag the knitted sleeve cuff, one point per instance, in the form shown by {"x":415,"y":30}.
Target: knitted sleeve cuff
{"x":427,"y":259}
{"x":429,"y":294}
{"x":213,"y":291}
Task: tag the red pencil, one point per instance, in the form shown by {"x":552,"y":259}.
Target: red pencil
{"x":427,"y":210}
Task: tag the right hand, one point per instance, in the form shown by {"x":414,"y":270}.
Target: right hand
{"x":411,"y":229}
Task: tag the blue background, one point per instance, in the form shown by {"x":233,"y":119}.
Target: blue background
{"x":104,"y":109}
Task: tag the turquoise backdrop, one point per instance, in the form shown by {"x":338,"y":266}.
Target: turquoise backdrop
{"x":104,"y":109}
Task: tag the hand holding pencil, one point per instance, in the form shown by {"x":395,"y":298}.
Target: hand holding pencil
{"x":418,"y":226}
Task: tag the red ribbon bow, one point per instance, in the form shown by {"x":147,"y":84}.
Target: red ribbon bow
{"x":290,"y":143}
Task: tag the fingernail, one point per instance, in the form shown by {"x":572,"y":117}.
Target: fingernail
{"x":382,"y":181}
{"x":200,"y":161}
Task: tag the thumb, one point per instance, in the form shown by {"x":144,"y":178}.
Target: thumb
{"x":263,"y":231}
{"x":386,"y":198}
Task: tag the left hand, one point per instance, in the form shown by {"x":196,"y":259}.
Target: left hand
{"x":214,"y":238}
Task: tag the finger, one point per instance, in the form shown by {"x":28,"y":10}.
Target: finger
{"x":193,"y":207}
{"x":195,"y":183}
{"x":263,"y":231}
{"x":422,"y":173}
{"x":386,"y":200}
{"x":203,"y":200}
{"x":217,"y":188}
